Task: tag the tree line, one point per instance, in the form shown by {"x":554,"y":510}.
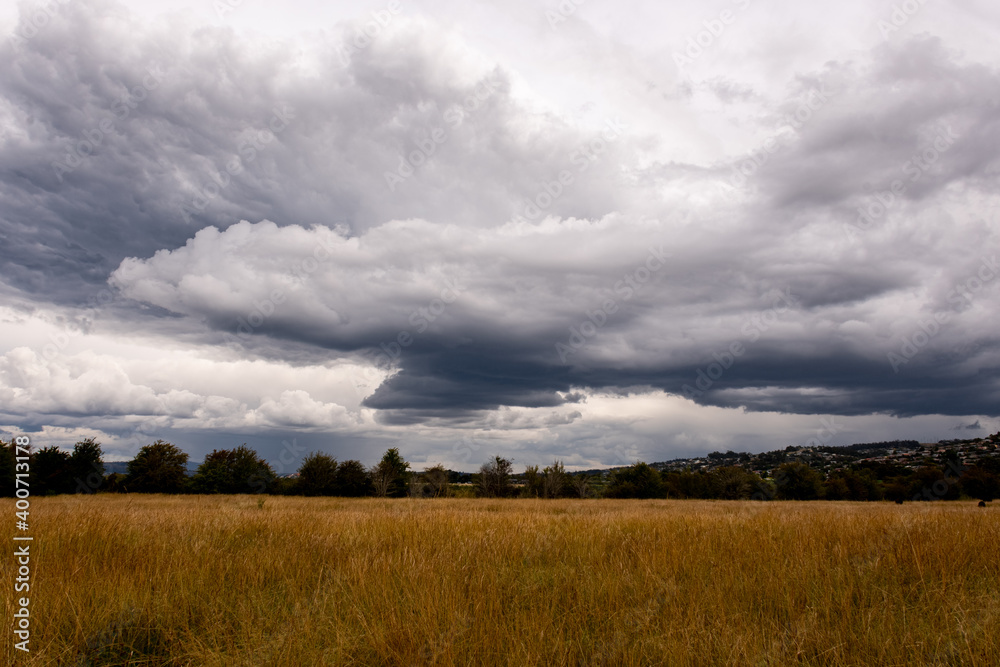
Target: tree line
{"x":162,"y":467}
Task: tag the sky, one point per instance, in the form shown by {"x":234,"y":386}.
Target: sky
{"x":591,"y":231}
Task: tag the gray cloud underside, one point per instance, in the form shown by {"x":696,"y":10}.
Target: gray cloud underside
{"x":131,"y":211}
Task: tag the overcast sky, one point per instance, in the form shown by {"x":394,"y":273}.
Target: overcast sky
{"x":599,"y":232}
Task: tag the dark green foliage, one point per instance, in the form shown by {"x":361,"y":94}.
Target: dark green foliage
{"x":981,"y":483}
{"x":555,"y":481}
{"x":434,"y":482}
{"x":391,"y":476}
{"x":283,"y":486}
{"x":494,"y":478}
{"x":352,"y":480}
{"x":580,"y":484}
{"x":686,"y":484}
{"x":318,"y":475}
{"x":883,"y":471}
{"x":733,"y":483}
{"x":237,"y":470}
{"x":115,"y":483}
{"x":533,"y":481}
{"x":897,"y":489}
{"x":7,"y":469}
{"x":86,"y":466}
{"x":50,"y":472}
{"x":931,"y":483}
{"x":157,"y":468}
{"x":636,"y":481}
{"x":797,"y":481}
{"x":852,"y":485}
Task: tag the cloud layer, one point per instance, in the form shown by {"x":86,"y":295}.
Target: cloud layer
{"x":414,"y":222}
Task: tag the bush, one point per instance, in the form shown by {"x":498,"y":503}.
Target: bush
{"x":733,"y":483}
{"x":390,"y":477}
{"x":7,"y":469}
{"x":86,"y":466}
{"x":494,"y":478}
{"x":237,"y":470}
{"x":317,"y":476}
{"x":157,"y":468}
{"x":352,"y":480}
{"x":50,"y":472}
{"x":636,"y":481}
{"x":797,"y":481}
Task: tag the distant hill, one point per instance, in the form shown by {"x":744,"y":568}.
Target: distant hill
{"x":121,"y":467}
{"x":903,"y":453}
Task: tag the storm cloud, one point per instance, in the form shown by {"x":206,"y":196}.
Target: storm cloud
{"x":416,"y":235}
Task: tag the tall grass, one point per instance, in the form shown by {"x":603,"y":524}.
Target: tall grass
{"x":222,"y":580}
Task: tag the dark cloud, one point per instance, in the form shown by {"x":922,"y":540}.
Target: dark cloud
{"x":450,"y":253}
{"x":126,"y":139}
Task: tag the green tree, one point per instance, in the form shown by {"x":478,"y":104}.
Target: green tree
{"x":554,"y":480}
{"x":636,"y":481}
{"x":115,"y":483}
{"x":391,"y":476}
{"x":797,"y":481}
{"x":835,"y":488}
{"x":157,"y":468}
{"x":897,"y":488}
{"x":86,"y":466}
{"x":50,"y":472}
{"x":852,"y":485}
{"x":686,"y":484}
{"x":980,"y":483}
{"x":352,"y":480}
{"x":436,"y":481}
{"x":494,"y":478}
{"x":733,"y":483}
{"x":318,"y":475}
{"x":533,"y":483}
{"x":237,"y":470}
{"x":931,"y":483}
{"x":580,"y":483}
{"x":7,"y":468}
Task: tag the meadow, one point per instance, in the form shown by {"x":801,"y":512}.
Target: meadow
{"x":246,"y":580}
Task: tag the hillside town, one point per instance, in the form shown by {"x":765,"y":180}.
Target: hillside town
{"x":904,"y":454}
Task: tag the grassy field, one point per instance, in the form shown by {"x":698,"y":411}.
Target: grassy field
{"x":157,"y":580}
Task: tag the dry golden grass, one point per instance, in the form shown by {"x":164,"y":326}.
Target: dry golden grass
{"x":220,"y":581}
